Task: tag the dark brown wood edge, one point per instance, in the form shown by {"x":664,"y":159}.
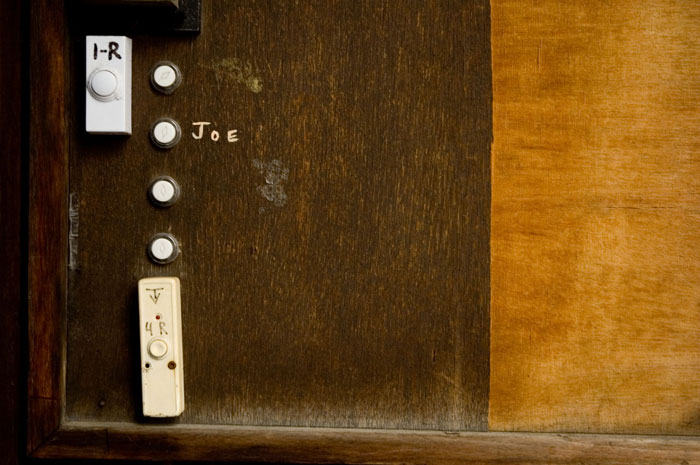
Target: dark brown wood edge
{"x":47,"y":230}
{"x":320,"y":445}
{"x":12,"y":216}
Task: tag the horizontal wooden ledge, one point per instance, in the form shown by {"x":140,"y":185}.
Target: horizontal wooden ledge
{"x":358,"y":446}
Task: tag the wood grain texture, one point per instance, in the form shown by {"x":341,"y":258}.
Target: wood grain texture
{"x":352,"y":446}
{"x":11,"y":244}
{"x":595,"y":259}
{"x":358,"y":300}
{"x":47,"y":246}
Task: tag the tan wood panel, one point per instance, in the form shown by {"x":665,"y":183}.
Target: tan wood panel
{"x":596,"y":216}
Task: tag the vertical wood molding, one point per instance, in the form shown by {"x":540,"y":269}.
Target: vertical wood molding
{"x":48,"y":181}
{"x":11,"y":196}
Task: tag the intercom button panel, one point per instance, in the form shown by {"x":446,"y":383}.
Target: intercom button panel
{"x":108,"y":85}
{"x":162,"y":387}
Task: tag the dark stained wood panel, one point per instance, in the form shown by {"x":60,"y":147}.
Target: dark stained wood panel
{"x":335,"y":260}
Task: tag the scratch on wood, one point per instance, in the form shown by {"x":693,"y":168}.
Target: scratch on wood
{"x":73,"y":224}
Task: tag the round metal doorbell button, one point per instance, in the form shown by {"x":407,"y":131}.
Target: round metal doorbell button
{"x":164,"y":191}
{"x":163,"y":248}
{"x":165,"y":133}
{"x":165,"y":77}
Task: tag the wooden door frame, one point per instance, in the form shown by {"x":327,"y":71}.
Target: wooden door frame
{"x":50,"y":435}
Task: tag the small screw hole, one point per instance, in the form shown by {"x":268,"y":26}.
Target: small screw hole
{"x":171,"y":365}
{"x":148,"y":365}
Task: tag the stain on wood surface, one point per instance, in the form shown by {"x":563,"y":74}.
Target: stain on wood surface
{"x":335,"y":259}
{"x":595,"y":258}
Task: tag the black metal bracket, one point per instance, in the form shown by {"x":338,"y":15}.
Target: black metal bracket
{"x":115,"y":19}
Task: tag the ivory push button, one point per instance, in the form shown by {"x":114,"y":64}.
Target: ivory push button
{"x":163,"y":248}
{"x":162,"y":383}
{"x":165,"y":133}
{"x":164,"y":191}
{"x":157,"y":348}
{"x":165,"y":77}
